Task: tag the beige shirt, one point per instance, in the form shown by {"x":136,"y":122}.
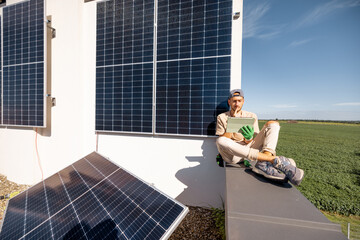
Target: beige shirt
{"x":222,"y":123}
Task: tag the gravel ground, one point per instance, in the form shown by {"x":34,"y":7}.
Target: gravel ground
{"x":198,"y":223}
{"x":7,"y":187}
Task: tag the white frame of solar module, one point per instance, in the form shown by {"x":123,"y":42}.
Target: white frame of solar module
{"x":154,"y":68}
{"x":2,"y":220}
{"x":166,"y":234}
{"x":45,"y":70}
{"x":236,"y":45}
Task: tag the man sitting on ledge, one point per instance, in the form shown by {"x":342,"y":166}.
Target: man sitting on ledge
{"x":254,"y":144}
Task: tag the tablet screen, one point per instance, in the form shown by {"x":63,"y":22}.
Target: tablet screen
{"x":234,"y":123}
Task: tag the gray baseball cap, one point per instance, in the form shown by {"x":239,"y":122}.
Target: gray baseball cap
{"x":236,"y":92}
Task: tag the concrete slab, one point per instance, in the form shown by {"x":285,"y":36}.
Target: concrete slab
{"x":257,"y":208}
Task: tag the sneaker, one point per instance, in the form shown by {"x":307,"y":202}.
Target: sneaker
{"x":267,"y":170}
{"x":294,"y":174}
{"x":219,"y":160}
{"x":291,"y":161}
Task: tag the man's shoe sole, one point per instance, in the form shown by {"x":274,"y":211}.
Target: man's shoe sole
{"x":258,"y":171}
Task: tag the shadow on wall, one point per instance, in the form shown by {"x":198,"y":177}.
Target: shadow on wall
{"x":222,"y":107}
{"x":206,"y":181}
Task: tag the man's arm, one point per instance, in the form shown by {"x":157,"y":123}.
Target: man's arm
{"x":227,"y":134}
{"x":221,"y":129}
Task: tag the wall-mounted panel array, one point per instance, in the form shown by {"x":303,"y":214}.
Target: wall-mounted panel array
{"x":191,"y":58}
{"x":23,"y":64}
{"x":92,"y":199}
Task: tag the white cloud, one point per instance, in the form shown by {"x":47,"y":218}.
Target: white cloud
{"x":253,"y":25}
{"x":284,"y":106}
{"x":299,"y":42}
{"x":321,"y":11}
{"x":348,"y":104}
{"x":252,"y":18}
{"x":272,"y":32}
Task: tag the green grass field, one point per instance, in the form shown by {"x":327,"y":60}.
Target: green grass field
{"x":330,"y":157}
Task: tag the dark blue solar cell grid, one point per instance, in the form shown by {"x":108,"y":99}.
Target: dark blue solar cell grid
{"x":23,"y":64}
{"x":193,"y":65}
{"x":91,"y":199}
{"x":190,"y":94}
{"x":193,"y":29}
{"x":124,"y":66}
{"x":0,"y":77}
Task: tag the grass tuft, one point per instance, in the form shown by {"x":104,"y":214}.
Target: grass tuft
{"x":219,"y":218}
{"x":343,"y":221}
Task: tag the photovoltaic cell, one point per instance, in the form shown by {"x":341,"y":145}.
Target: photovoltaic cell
{"x":23,"y":64}
{"x":0,"y":74}
{"x":124,"y":66}
{"x":91,"y":199}
{"x":193,"y":65}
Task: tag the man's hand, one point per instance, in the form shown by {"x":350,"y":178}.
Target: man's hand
{"x":247,"y":132}
{"x":236,"y":113}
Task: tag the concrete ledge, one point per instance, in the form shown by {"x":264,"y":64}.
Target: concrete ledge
{"x":257,"y":208}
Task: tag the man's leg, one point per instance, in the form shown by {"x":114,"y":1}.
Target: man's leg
{"x":231,"y":151}
{"x":267,"y":139}
{"x":266,"y":142}
{"x":228,"y":149}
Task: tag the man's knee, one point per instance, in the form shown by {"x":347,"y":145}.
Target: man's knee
{"x":221,"y":141}
{"x":272,"y":122}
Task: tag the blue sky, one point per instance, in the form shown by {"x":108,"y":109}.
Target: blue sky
{"x":301,"y":59}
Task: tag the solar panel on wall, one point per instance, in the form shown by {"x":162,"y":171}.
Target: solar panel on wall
{"x":124,"y":66}
{"x":191,"y":61}
{"x":23,"y":85}
{"x":91,"y":199}
{"x":193,"y":64}
{"x":0,"y":74}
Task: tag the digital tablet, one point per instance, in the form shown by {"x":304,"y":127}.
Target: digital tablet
{"x":235,"y":123}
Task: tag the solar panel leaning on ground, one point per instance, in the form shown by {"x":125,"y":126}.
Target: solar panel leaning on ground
{"x":187,"y":44}
{"x":91,"y":199}
{"x":23,"y":81}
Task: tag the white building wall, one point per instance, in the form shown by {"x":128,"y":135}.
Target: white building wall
{"x":182,"y":167}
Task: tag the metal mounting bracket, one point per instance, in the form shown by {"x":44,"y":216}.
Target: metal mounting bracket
{"x":53,"y":30}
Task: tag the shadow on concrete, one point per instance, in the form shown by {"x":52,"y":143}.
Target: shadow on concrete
{"x":261,"y":178}
{"x":205,"y":181}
